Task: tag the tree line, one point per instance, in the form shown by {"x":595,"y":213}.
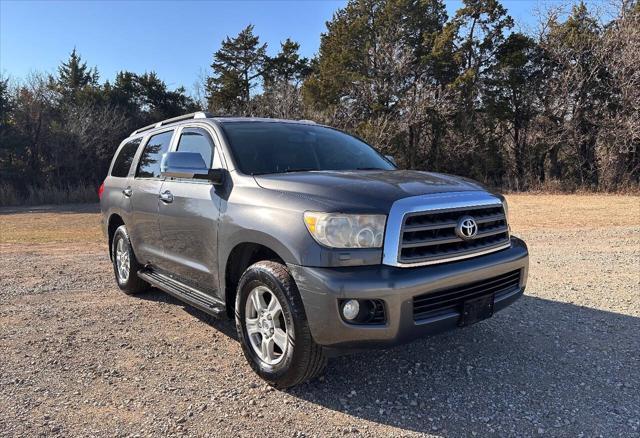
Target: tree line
{"x":557,"y":108}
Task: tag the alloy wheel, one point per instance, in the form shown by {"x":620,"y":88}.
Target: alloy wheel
{"x":123,"y":261}
{"x":266,"y":325}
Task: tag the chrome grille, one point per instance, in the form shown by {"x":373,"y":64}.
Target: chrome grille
{"x":430,"y":236}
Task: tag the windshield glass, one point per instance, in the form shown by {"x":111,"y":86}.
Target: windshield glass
{"x":271,"y":147}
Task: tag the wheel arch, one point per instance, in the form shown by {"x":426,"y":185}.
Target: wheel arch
{"x":243,"y":255}
{"x":115,"y":221}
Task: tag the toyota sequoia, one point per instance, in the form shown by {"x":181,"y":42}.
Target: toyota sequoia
{"x":308,"y":237}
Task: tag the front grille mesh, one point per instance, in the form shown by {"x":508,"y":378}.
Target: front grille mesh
{"x":431,"y":236}
{"x":428,"y":305}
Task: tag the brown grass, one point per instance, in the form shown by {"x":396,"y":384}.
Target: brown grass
{"x":74,"y":224}
{"x":572,"y":211}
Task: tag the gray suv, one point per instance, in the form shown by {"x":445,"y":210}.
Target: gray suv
{"x":313,"y":241}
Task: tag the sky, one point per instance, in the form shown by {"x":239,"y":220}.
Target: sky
{"x":176,"y":39}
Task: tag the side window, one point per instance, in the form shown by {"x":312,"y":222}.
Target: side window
{"x":157,"y":146}
{"x":196,"y":140}
{"x":125,"y":158}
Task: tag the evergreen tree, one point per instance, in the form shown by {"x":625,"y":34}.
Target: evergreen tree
{"x":237,"y":67}
{"x":510,"y":96}
{"x":287,"y":66}
{"x":282,"y":80}
{"x":477,"y":29}
{"x":480,"y":26}
{"x":576,"y":77}
{"x":74,"y":76}
{"x":375,"y":71}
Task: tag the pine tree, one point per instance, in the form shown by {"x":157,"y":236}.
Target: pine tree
{"x":578,"y":78}
{"x":74,"y":76}
{"x":375,"y":71}
{"x":283,"y":76}
{"x":510,"y":97}
{"x":237,"y":67}
{"x":287,"y":66}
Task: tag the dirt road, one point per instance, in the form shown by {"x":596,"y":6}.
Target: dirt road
{"x":79,"y":358}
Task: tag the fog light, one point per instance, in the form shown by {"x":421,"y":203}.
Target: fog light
{"x":350,"y":310}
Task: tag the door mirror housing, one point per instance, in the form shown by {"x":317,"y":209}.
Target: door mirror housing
{"x":391,"y":159}
{"x":189,"y":165}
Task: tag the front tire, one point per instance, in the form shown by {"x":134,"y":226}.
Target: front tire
{"x":125,"y":264}
{"x":273,"y":329}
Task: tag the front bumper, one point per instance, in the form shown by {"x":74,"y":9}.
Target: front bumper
{"x":321,"y":288}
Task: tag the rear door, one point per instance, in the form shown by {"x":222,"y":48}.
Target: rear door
{"x":144,"y":192}
{"x":189,"y":221}
{"x":118,"y":180}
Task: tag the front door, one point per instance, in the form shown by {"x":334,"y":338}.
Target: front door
{"x":144,"y":229}
{"x":189,"y":211}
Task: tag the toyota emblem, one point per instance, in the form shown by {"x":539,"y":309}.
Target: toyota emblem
{"x":467,"y":228}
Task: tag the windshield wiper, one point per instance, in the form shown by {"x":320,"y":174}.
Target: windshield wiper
{"x":311,"y":169}
{"x":300,"y":169}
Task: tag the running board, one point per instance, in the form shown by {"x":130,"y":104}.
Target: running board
{"x":183,"y":292}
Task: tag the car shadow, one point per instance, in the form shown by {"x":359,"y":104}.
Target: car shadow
{"x":222,"y":324}
{"x":537,"y":367}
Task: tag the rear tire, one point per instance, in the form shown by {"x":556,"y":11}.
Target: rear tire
{"x":125,"y":264}
{"x":275,"y":336}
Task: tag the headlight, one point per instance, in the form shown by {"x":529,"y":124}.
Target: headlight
{"x":338,"y":230}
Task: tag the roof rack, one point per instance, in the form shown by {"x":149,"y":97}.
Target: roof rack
{"x":196,"y":115}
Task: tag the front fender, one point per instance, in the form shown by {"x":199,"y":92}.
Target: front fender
{"x":276,"y":220}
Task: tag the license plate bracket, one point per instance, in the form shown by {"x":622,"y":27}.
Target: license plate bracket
{"x":476,"y":310}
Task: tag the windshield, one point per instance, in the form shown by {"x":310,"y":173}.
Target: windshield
{"x":271,"y":147}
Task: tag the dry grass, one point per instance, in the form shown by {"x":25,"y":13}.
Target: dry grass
{"x":572,"y":211}
{"x":71,"y":224}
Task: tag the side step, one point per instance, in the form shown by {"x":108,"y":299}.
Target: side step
{"x":183,"y":292}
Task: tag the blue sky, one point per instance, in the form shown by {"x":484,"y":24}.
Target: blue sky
{"x":176,"y":39}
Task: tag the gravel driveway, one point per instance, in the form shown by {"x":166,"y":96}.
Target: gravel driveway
{"x":79,"y":358}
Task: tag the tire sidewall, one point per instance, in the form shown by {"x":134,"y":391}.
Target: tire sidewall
{"x":253,"y":278}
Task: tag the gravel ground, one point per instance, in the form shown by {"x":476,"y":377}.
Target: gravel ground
{"x":79,"y":358}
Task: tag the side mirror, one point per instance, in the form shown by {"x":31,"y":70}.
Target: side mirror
{"x":391,"y":159}
{"x":189,"y":165}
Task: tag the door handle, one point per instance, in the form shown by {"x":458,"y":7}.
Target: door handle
{"x":127,"y":192}
{"x":166,"y":196}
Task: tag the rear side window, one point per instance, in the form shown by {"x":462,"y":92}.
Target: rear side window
{"x":124,"y":159}
{"x":157,"y":146}
{"x":196,"y":140}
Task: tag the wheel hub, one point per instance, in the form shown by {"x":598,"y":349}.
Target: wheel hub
{"x":266,"y":326}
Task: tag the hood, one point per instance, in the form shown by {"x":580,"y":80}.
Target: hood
{"x":364,"y":190}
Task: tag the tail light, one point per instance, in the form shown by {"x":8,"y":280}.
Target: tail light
{"x":100,"y":190}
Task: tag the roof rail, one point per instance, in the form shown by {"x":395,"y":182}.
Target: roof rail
{"x":307,"y":121}
{"x":196,"y":115}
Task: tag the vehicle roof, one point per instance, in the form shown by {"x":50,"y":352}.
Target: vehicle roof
{"x":224,"y":120}
{"x":204,"y":116}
